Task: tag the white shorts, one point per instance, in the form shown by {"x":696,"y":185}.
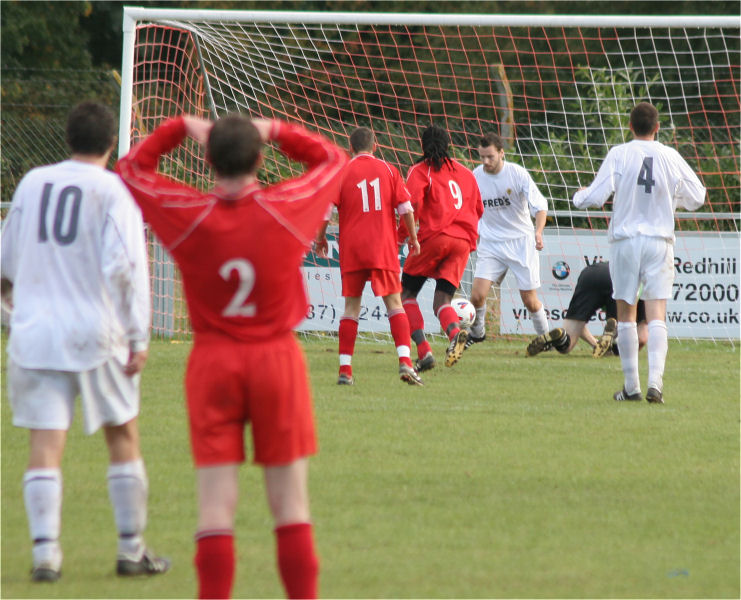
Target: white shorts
{"x":494,"y":258}
{"x":642,"y":260}
{"x":45,"y":399}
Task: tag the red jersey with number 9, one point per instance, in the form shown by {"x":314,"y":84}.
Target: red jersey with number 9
{"x":446,"y":201}
{"x":239,"y":257}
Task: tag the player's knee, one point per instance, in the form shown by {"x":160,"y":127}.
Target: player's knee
{"x":392,"y":302}
{"x":477,"y":298}
{"x":411,"y":284}
{"x":216,"y":511}
{"x":215,"y":517}
{"x":123,"y":441}
{"x":532,"y":303}
{"x":445,"y":287}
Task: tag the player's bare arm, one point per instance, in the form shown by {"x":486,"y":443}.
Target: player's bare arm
{"x":6,"y":297}
{"x":540,"y":219}
{"x":197,"y":128}
{"x":321,"y":246}
{"x":408,"y":219}
{"x":264,"y":127}
{"x":136,"y":363}
{"x":6,"y":287}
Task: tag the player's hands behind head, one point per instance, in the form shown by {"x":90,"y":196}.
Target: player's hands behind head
{"x":197,"y":128}
{"x":264,"y":126}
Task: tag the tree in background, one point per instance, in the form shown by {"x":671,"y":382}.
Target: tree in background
{"x":83,"y":35}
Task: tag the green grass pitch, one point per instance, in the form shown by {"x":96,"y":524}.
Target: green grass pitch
{"x":504,"y":476}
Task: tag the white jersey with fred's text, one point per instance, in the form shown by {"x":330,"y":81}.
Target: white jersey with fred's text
{"x":510,"y":200}
{"x":649,"y":181}
{"x":73,"y":247}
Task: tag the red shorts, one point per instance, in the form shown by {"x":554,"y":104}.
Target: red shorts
{"x":383,"y":282}
{"x":230,"y":383}
{"x":441,"y":257}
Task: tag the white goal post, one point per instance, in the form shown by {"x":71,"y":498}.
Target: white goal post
{"x":557,"y":88}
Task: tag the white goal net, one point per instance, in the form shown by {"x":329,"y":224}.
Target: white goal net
{"x":558,"y":89}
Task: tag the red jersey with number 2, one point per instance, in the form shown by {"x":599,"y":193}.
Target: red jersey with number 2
{"x":239,"y":257}
{"x":446,"y":201}
{"x":370,"y":191}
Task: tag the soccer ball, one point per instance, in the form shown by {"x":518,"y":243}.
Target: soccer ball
{"x":465,"y":311}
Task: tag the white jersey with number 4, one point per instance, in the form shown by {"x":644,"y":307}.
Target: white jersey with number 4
{"x":73,"y":247}
{"x":649,"y":180}
{"x":510,"y":198}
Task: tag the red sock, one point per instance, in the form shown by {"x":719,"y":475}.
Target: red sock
{"x":297,"y":561}
{"x":348,"y":333}
{"x":214,"y":562}
{"x":400,"y":332}
{"x":449,"y":320}
{"x":417,"y":326}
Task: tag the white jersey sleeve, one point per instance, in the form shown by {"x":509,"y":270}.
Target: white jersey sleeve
{"x":124,"y":266}
{"x":689,"y":193}
{"x":535,"y":199}
{"x":74,"y":250}
{"x":510,"y":198}
{"x":603,"y":185}
{"x":8,"y":256}
{"x":648,"y":181}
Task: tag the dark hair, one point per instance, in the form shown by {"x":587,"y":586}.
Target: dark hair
{"x":362,"y":140}
{"x":234,"y":146}
{"x":644,"y":118}
{"x":491,"y":139}
{"x":435,"y":142}
{"x":91,"y":129}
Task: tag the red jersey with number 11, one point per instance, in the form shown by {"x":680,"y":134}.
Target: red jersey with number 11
{"x":370,"y":192}
{"x":239,"y":257}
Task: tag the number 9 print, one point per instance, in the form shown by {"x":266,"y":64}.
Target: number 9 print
{"x":455,"y":190}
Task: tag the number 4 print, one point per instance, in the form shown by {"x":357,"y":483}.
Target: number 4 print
{"x":645,"y":175}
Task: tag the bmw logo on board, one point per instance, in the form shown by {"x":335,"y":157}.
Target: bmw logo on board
{"x":561,"y":270}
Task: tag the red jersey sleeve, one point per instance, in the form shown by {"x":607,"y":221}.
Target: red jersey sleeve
{"x":418,"y":182}
{"x":138,"y":170}
{"x":401,"y":195}
{"x":401,"y":191}
{"x":301,"y":203}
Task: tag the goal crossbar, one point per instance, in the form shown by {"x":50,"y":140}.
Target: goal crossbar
{"x":352,"y":18}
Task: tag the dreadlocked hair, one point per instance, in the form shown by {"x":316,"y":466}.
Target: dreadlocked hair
{"x":435,"y":142}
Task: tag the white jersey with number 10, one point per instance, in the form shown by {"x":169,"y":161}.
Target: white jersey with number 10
{"x":73,"y":247}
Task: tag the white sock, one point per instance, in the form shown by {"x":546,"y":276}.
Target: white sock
{"x":540,"y":321}
{"x":403,"y":351}
{"x":128,"y":488}
{"x":42,"y":493}
{"x":658,"y":345}
{"x":478,"y":329}
{"x":628,"y":346}
{"x":47,"y":554}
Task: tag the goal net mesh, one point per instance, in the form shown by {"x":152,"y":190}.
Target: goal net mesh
{"x":559,"y":96}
